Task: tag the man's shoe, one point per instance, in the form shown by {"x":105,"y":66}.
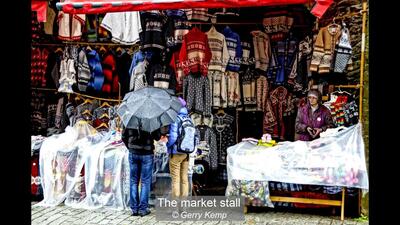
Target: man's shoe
{"x":135,"y":214}
{"x":147,"y":212}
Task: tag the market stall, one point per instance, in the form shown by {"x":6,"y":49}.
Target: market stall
{"x":254,"y":67}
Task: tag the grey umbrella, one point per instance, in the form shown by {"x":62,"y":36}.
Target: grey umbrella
{"x":148,"y":109}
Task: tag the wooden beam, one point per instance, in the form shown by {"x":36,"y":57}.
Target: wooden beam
{"x":306,"y":200}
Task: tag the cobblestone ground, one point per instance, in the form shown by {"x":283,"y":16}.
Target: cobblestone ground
{"x":63,"y":215}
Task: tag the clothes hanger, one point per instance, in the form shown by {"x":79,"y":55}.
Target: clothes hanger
{"x":220,"y":111}
{"x":89,"y":48}
{"x":102,"y":125}
{"x":119,"y":49}
{"x":87,"y":101}
{"x":59,"y":49}
{"x":105,"y":104}
{"x":333,"y":24}
{"x":87,"y":111}
{"x":102,"y":49}
{"x":104,"y":115}
{"x":77,"y":98}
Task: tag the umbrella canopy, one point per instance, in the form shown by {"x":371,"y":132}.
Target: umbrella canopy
{"x":148,"y":109}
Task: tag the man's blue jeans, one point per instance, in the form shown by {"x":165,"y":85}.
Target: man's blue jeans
{"x":141,"y":167}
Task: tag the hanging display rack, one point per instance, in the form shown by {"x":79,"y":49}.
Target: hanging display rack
{"x":79,"y":94}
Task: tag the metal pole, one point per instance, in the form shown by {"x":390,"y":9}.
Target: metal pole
{"x":364,"y":21}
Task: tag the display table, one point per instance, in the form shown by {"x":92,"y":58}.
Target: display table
{"x":335,"y":159}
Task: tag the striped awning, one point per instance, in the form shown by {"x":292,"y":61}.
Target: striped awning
{"x":104,"y":6}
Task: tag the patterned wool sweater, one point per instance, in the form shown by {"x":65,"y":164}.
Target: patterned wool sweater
{"x":324,"y":48}
{"x":153,"y":26}
{"x":218,"y":88}
{"x":209,"y":142}
{"x":219,"y":50}
{"x":161,"y":76}
{"x":234,"y":48}
{"x":83,"y":71}
{"x":197,"y":14}
{"x":222,"y":126}
{"x":195,"y":54}
{"x":262,"y":49}
{"x":197,"y":94}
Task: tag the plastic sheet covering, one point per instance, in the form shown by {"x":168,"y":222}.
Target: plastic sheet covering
{"x":60,"y":162}
{"x":86,"y":171}
{"x":107,"y":174}
{"x":83,"y":149}
{"x":256,"y":193}
{"x":336,"y":159}
{"x":84,"y":129}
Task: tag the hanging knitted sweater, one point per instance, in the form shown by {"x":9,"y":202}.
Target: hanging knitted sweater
{"x":233,"y":93}
{"x":234,"y":48}
{"x":177,"y":67}
{"x":97,"y":76}
{"x":123,"y":26}
{"x":177,"y":27}
{"x":197,"y":14}
{"x":196,"y":92}
{"x":208,"y":145}
{"x":67,"y":75}
{"x":123,"y":61}
{"x":39,"y":66}
{"x":249,"y":88}
{"x":83,"y":71}
{"x":110,"y":74}
{"x":162,"y":76}
{"x":153,"y":26}
{"x":138,"y":76}
{"x":218,"y":88}
{"x":262,"y":49}
{"x":247,"y":53}
{"x":342,"y":60}
{"x":67,"y":31}
{"x":219,"y":50}
{"x":279,"y":101}
{"x":223,"y":128}
{"x":324,"y":48}
{"x":195,"y":53}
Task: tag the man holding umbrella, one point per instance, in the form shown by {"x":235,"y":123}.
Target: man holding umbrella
{"x":145,"y":114}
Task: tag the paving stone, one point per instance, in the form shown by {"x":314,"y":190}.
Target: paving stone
{"x":52,"y":218}
{"x":116,"y":221}
{"x":58,"y":221}
{"x":61,"y":215}
{"x":104,"y":221}
{"x":96,"y":219}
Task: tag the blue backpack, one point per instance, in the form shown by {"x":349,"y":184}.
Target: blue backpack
{"x":187,"y":135}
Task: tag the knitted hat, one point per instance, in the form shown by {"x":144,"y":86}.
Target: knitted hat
{"x":314,"y":93}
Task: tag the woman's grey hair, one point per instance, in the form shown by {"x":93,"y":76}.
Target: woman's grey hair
{"x":316,"y":93}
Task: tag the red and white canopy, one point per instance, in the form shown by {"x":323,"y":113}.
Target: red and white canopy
{"x":104,"y":6}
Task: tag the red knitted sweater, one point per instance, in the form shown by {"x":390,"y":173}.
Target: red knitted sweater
{"x":195,"y":54}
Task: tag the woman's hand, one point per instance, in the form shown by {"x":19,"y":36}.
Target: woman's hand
{"x":317,"y":131}
{"x":310,"y":131}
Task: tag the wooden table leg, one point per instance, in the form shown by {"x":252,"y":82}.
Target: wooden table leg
{"x":245,"y":209}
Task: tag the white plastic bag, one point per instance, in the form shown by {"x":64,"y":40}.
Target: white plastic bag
{"x":335,"y":160}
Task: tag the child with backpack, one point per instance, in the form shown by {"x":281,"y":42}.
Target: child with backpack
{"x":181,"y":142}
